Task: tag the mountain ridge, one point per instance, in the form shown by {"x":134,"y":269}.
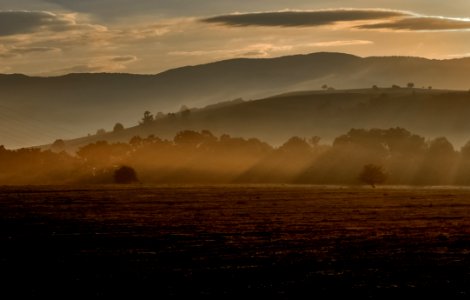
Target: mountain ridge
{"x":78,"y":104}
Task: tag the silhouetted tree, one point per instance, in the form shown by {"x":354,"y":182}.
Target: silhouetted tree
{"x":441,"y":147}
{"x":188,"y":138}
{"x":410,"y":85}
{"x":125,"y":175}
{"x":324,"y":87}
{"x":147,"y":119}
{"x":296,"y":145}
{"x":395,"y":86}
{"x":465,"y":151}
{"x":100,"y":132}
{"x":135,"y":141}
{"x":58,"y":145}
{"x":438,"y":163}
{"x":118,"y":127}
{"x":314,"y":141}
{"x":185,"y":111}
{"x":372,"y":174}
{"x":95,"y":153}
{"x":375,"y":87}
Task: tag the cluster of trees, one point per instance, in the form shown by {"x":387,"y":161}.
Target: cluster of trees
{"x":394,"y":156}
{"x":149,"y":118}
{"x":409,"y":85}
{"x":33,"y":166}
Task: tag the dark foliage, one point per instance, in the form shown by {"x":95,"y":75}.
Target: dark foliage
{"x":125,"y":175}
{"x":118,"y":127}
{"x":372,"y":175}
{"x":147,"y":118}
{"x":202,"y":157}
{"x":58,"y":145}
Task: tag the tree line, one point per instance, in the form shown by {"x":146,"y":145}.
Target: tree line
{"x":394,"y":156}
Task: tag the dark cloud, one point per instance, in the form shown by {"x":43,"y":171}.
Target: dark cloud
{"x":254,"y":53}
{"x":304,"y":18}
{"x":421,"y":23}
{"x":374,"y":19}
{"x":124,"y":59}
{"x":28,"y":50}
{"x":18,"y":22}
{"x":23,"y":22}
{"x":21,"y":51}
{"x":116,"y":9}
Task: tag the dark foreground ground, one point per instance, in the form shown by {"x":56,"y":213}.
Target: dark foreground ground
{"x":233,"y":241}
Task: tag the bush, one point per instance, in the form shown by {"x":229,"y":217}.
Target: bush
{"x":372,"y":175}
{"x":118,"y":127}
{"x":125,"y":175}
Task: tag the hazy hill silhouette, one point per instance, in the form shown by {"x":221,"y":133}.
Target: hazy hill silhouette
{"x":35,"y":110}
{"x":327,"y":114}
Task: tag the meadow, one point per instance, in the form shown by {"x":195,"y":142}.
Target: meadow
{"x":228,"y":241}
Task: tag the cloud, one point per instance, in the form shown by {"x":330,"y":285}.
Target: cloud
{"x":18,"y":22}
{"x":124,"y":59}
{"x":112,"y":10}
{"x":254,"y":50}
{"x":304,"y":18}
{"x":83,"y":68}
{"x":368,"y":19}
{"x":422,"y":24}
{"x":97,"y":65}
{"x":341,"y":43}
{"x":23,"y":22}
{"x":8,"y":52}
{"x":117,"y":10}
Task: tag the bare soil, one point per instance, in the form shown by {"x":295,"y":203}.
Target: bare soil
{"x":234,"y":241}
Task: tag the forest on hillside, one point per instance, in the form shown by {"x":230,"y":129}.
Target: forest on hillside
{"x":203,"y":158}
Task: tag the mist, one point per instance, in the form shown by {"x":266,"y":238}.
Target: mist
{"x":202,"y":158}
{"x":37,"y":110}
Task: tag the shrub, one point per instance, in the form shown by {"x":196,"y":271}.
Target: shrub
{"x":125,"y":175}
{"x":372,"y":175}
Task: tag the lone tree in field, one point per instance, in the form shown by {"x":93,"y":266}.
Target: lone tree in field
{"x":125,"y":175}
{"x":372,"y":175}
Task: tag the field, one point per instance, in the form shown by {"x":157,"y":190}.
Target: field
{"x":233,"y":241}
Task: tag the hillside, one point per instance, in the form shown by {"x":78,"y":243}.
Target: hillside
{"x":35,"y":110}
{"x":430,"y":113}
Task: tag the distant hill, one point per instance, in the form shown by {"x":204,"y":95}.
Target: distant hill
{"x":35,"y":110}
{"x":430,"y":113}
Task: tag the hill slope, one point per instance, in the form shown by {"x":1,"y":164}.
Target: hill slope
{"x":327,"y":114}
{"x":38,"y":110}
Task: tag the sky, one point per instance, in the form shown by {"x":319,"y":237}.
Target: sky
{"x":55,"y":37}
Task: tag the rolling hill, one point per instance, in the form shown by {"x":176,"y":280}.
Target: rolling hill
{"x":38,"y":110}
{"x":327,"y":114}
